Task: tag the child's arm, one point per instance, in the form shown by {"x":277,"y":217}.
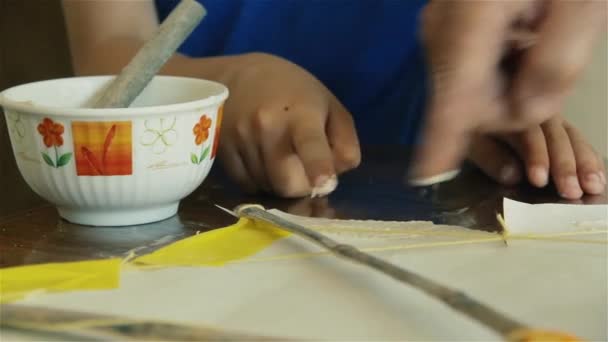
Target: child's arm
{"x":105,"y":35}
{"x":283,"y":130}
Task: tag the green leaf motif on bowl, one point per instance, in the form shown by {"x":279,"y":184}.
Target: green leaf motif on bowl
{"x":64,"y":159}
{"x":48,"y":159}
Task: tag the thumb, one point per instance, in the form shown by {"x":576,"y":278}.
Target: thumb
{"x":443,"y":148}
{"x":462,"y":53}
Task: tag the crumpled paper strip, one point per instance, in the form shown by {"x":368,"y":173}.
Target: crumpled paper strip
{"x":18,"y":282}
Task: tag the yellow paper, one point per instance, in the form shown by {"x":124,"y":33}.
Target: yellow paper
{"x":18,"y":282}
{"x":213,"y":248}
{"x":216,"y":247}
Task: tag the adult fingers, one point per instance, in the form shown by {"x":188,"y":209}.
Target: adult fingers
{"x":464,"y":46}
{"x":548,"y":70}
{"x":562,"y":159}
{"x":531,"y":146}
{"x":496,"y":160}
{"x":590,"y":169}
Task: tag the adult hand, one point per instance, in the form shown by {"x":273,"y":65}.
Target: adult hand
{"x":499,"y":66}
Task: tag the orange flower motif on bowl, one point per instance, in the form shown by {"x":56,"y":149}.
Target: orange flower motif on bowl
{"x":52,"y":137}
{"x":51,"y":133}
{"x":201,"y":134}
{"x":201,"y":130}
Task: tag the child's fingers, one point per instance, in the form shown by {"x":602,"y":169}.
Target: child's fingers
{"x":562,"y":159}
{"x":249,"y":149}
{"x":588,"y":166}
{"x":495,"y":160}
{"x":342,"y":137}
{"x":255,"y":166}
{"x":234,"y":166}
{"x":284,"y":168}
{"x":311,"y":144}
{"x":286,"y":172}
{"x":531,"y":146}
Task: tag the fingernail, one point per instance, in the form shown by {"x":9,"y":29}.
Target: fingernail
{"x":572,"y":188}
{"x":509,"y":174}
{"x":440,"y":178}
{"x":593,"y":182}
{"x":539,"y":176}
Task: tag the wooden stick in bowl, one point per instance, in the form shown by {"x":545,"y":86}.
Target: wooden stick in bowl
{"x":134,"y":78}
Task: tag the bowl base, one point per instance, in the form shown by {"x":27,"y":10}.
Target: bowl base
{"x":112,"y":218}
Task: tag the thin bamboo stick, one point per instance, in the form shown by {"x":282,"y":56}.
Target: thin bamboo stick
{"x":507,"y":327}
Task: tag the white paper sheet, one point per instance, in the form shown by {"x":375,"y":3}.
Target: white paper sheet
{"x":551,"y":218}
{"x":547,"y":284}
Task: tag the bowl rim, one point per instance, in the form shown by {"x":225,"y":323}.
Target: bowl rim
{"x":43,"y":110}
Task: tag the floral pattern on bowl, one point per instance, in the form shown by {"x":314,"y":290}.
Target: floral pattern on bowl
{"x":52,"y":137}
{"x":114,"y":166}
{"x":201,"y":134}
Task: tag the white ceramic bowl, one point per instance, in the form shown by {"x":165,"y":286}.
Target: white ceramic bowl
{"x":114,"y":167}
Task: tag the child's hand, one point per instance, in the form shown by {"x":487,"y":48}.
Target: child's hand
{"x":554,"y":149}
{"x":283,"y":130}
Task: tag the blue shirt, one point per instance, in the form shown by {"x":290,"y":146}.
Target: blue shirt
{"x":366,"y":52}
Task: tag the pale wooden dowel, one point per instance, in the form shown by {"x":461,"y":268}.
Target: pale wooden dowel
{"x":132,"y":80}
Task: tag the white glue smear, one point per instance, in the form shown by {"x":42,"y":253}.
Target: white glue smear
{"x":326,"y":188}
